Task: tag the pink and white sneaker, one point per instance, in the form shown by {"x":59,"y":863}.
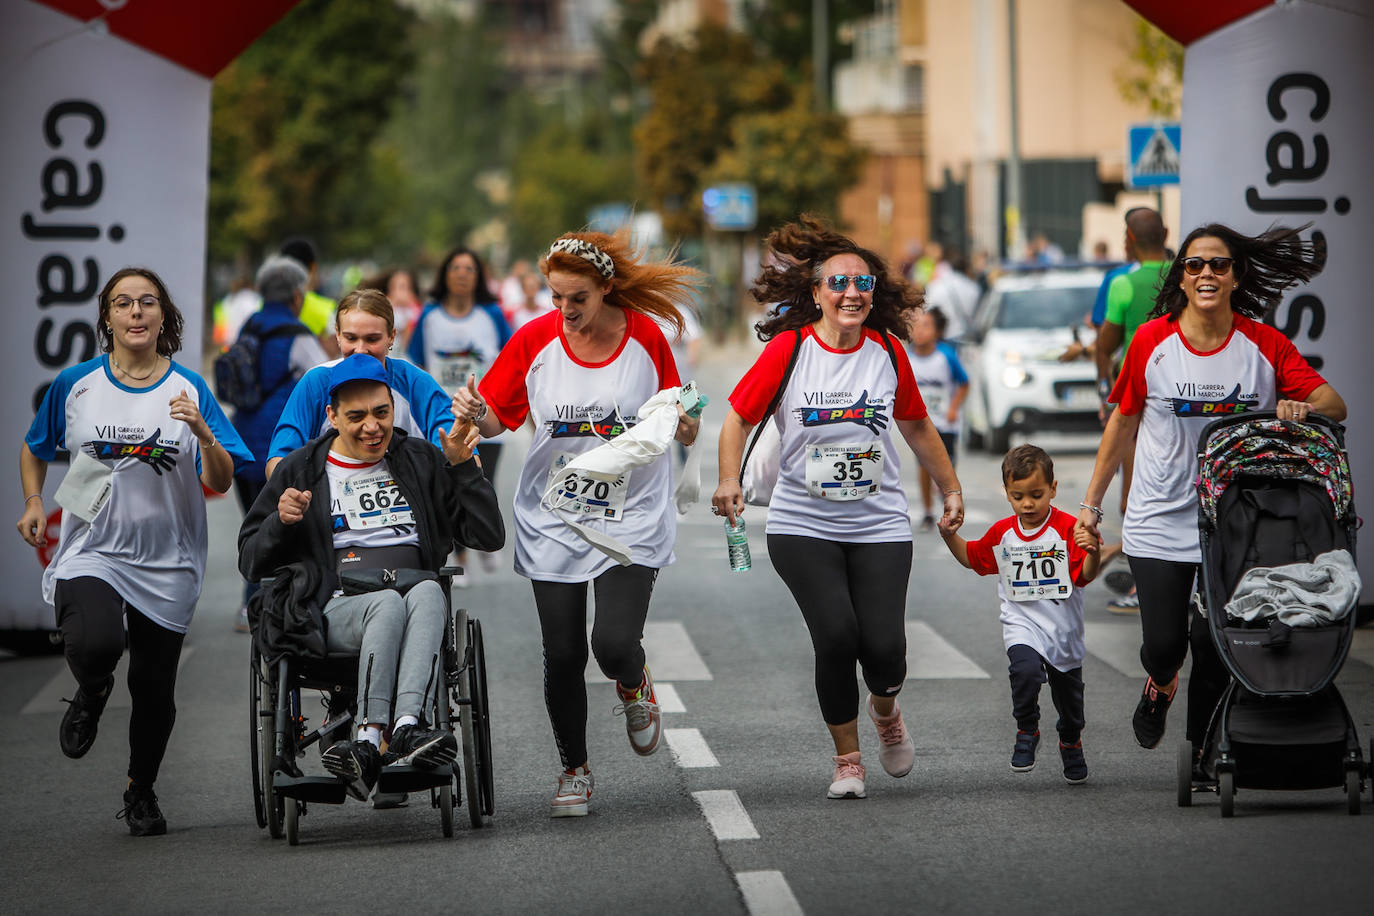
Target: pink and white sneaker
{"x":849,"y":777}
{"x":896,"y":752}
{"x":643,"y":723}
{"x":574,"y":792}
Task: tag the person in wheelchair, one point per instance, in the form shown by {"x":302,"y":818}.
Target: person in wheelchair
{"x":385,"y":500}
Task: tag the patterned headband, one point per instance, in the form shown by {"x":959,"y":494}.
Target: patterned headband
{"x":588,"y":252}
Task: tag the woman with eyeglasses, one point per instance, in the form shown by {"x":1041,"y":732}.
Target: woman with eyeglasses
{"x":144,"y":433}
{"x":839,"y":531}
{"x":1204,"y":354}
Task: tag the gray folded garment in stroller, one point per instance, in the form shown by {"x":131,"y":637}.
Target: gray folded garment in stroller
{"x":1298,"y":594}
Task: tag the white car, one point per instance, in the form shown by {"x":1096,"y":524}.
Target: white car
{"x":1018,"y":383}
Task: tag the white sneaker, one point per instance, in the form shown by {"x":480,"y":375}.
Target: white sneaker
{"x":241,"y":624}
{"x":849,"y":777}
{"x":490,"y":562}
{"x":574,"y":792}
{"x":643,"y":723}
{"x":896,"y":752}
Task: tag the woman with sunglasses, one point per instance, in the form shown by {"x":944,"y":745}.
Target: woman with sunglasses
{"x":144,"y":433}
{"x":1205,"y":355}
{"x":839,"y":532}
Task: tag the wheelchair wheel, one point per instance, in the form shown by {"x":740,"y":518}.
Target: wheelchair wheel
{"x":442,"y":797}
{"x":446,"y":809}
{"x":293,"y":822}
{"x":482,"y":721}
{"x":462,"y":636}
{"x":265,"y":741}
{"x":254,"y":742}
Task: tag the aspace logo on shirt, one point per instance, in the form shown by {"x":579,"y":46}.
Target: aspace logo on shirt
{"x":860,"y":413}
{"x":1207,"y":400}
{"x":575,"y":426}
{"x":157,"y":456}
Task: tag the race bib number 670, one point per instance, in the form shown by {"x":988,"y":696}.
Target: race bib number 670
{"x":1034,"y":572}
{"x":588,"y":496}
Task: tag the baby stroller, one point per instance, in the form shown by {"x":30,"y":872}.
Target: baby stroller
{"x":1272,"y":493}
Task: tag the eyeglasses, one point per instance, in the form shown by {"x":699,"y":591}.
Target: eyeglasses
{"x":124,"y":303}
{"x":1220,"y":266}
{"x":838,"y":283}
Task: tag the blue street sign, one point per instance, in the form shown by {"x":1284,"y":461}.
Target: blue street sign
{"x":1153,"y":154}
{"x":730,"y":207}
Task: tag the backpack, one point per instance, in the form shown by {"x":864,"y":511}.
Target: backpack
{"x":238,"y":370}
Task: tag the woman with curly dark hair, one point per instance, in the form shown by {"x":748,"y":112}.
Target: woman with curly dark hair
{"x":839,"y":532}
{"x":1205,"y":354}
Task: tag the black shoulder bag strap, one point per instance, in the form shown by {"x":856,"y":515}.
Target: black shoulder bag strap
{"x":772,"y":405}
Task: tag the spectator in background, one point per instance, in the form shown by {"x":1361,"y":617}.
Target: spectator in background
{"x":537,"y":301}
{"x":317,"y":313}
{"x":287,"y":351}
{"x":512,"y":293}
{"x":1041,"y":251}
{"x":1101,"y":251}
{"x":234,"y":309}
{"x":956,"y":294}
{"x":399,"y":286}
{"x":943,"y":384}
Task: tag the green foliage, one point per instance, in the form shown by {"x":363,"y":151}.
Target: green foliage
{"x":723,"y":109}
{"x":294,"y":143}
{"x":783,"y":27}
{"x":1154,"y":72}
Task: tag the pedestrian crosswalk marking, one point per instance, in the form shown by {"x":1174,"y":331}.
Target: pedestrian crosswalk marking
{"x":725,"y":814}
{"x":48,"y":700}
{"x":689,"y":748}
{"x":930,"y":656}
{"x":669,"y":651}
{"x":766,"y":893}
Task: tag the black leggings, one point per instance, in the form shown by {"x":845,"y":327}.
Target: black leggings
{"x":1169,"y":626}
{"x":622,"y":606}
{"x":853,"y":598}
{"x":91,"y":616}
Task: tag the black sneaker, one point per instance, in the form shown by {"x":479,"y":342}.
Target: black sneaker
{"x":1150,"y":713}
{"x":79,"y":723}
{"x":141,"y":812}
{"x":1120,"y":581}
{"x":357,"y":763}
{"x":423,"y":747}
{"x":1023,"y":754}
{"x":1075,"y":766}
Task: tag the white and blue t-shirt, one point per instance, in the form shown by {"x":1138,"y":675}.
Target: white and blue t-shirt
{"x":149,"y":539}
{"x":451,"y":349}
{"x":422,"y":407}
{"x":938,"y":375}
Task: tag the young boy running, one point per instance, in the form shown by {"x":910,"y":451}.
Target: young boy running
{"x":1041,"y":571}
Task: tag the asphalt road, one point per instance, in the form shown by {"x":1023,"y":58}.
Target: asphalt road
{"x":730,"y":816}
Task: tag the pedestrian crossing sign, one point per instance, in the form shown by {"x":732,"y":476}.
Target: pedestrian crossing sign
{"x":1153,"y":154}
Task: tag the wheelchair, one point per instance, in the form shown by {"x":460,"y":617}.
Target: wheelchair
{"x":280,"y":735}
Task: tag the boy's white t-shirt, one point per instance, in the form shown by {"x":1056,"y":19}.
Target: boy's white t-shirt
{"x":575,"y":407}
{"x":1051,"y":626}
{"x":938,"y":375}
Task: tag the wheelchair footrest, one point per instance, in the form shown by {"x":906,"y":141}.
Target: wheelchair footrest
{"x":401,"y":777}
{"x":324,"y":790}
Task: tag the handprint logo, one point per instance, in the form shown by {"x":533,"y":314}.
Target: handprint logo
{"x":862,"y":413}
{"x":158,"y":457}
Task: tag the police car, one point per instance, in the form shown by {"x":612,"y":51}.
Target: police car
{"x":1018,"y":384}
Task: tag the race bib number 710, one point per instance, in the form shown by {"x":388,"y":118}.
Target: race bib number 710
{"x":1034,"y":572}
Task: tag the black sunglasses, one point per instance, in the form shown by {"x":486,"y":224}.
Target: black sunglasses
{"x":1220,"y":266}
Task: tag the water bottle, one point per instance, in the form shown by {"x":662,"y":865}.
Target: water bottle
{"x":737,"y":545}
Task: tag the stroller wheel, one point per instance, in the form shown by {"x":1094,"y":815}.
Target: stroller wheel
{"x":1353,"y":785}
{"x":1185,"y":774}
{"x":1226,"y":789}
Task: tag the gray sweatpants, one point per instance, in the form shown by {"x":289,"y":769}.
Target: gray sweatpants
{"x":400,"y":638}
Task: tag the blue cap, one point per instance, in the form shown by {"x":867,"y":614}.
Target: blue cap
{"x":357,"y":368}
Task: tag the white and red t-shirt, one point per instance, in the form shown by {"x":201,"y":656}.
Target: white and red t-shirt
{"x":839,"y":476}
{"x":1181,"y":390}
{"x":1051,"y":626}
{"x":575,"y":407}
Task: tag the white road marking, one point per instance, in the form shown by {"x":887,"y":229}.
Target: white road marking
{"x":1117,"y":644}
{"x":49,"y":699}
{"x":766,"y":894}
{"x":668,"y":700}
{"x":930,"y":656}
{"x":725,"y":814}
{"x":669,"y":652}
{"x":689,"y":748}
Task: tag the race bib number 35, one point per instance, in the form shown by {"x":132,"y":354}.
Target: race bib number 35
{"x":844,"y":472}
{"x":374,"y":501}
{"x":1035,"y":572}
{"x":587,"y":496}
